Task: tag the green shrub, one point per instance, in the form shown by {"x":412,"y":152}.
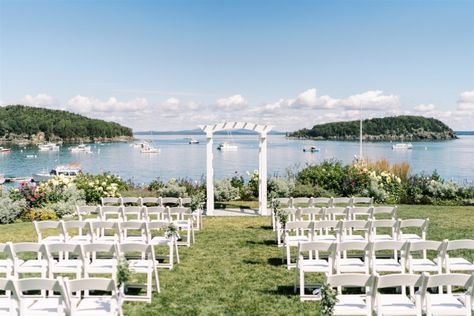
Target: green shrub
{"x":38,"y":214}
{"x":173,"y":189}
{"x":281,"y":187}
{"x":10,"y":209}
{"x":224,"y":191}
{"x":97,"y":186}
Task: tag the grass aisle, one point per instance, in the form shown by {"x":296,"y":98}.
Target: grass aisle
{"x":233,"y":269}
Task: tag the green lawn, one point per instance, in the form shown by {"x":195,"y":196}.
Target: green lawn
{"x":235,"y":267}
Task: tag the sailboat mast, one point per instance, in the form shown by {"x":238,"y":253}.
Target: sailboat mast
{"x":360,"y":131}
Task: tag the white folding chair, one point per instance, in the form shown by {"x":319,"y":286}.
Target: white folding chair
{"x":383,"y":262}
{"x":309,"y":261}
{"x":141,"y":260}
{"x":326,"y":230}
{"x":360,"y":212}
{"x":105,"y":232}
{"x":447,"y":303}
{"x":389,"y":228}
{"x":6,"y":262}
{"x":421,"y":224}
{"x":53,"y":228}
{"x":65,"y":258}
{"x":9,"y":300}
{"x":133,"y":231}
{"x":181,"y":217}
{"x":300,"y":202}
{"x":157,"y":214}
{"x":347,"y":228}
{"x":82,"y":302}
{"x":417,"y":260}
{"x":385,"y":211}
{"x":110,"y":201}
{"x":399,"y":303}
{"x":46,"y":303}
{"x":88,"y":213}
{"x":340,"y":201}
{"x":458,"y":264}
{"x":111,"y":213}
{"x":20,"y":253}
{"x":77,"y":232}
{"x":129,"y":200}
{"x":352,"y":257}
{"x":336,"y":213}
{"x":159,"y":239}
{"x":321,"y":202}
{"x":358,"y":200}
{"x":294,"y":233}
{"x":100,"y":259}
{"x":311,"y":213}
{"x":133,"y":213}
{"x":150,"y":201}
{"x":353,"y":304}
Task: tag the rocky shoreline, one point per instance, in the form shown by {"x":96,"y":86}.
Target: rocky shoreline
{"x":419,"y":136}
{"x":35,"y":139}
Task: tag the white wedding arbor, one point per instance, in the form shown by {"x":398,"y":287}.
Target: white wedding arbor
{"x":262,"y":130}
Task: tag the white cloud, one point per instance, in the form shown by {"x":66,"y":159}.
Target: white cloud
{"x":310,"y":99}
{"x":466,"y":101}
{"x":371,"y":100}
{"x":234,"y":102}
{"x":41,"y":99}
{"x":424,"y":107}
{"x":84,"y":104}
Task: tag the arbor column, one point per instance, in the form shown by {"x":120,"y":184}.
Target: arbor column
{"x":262,"y":175}
{"x":209,"y":175}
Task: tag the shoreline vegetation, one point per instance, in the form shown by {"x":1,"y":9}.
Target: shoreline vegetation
{"x":397,"y":128}
{"x":22,"y":125}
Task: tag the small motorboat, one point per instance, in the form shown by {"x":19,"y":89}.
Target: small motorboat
{"x":150,"y":150}
{"x":71,"y":170}
{"x":4,"y":150}
{"x":402,"y":146}
{"x":225,"y":146}
{"x":81,"y":149}
{"x":193,"y":141}
{"x":312,"y":149}
{"x":48,"y":147}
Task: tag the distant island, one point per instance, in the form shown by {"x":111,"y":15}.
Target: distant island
{"x":198,"y":131}
{"x":405,"y":127}
{"x":21,"y":124}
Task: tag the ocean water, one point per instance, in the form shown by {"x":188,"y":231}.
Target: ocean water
{"x":454,"y":160}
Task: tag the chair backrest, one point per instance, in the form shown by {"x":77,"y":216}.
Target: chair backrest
{"x":335,"y":213}
{"x":132,"y":213}
{"x":311,"y":213}
{"x":307,"y":246}
{"x":383,"y":224}
{"x":184,"y":201}
{"x":58,"y":248}
{"x":321,"y":201}
{"x":26,"y":248}
{"x":448,"y":280}
{"x":460,"y":244}
{"x":350,"y":280}
{"x":324,"y":227}
{"x":32,"y":284}
{"x":291,"y":212}
{"x":110,"y":201}
{"x":335,"y":201}
{"x":346,"y":227}
{"x":84,"y":210}
{"x":395,"y":246}
{"x":151,"y":201}
{"x":56,"y":226}
{"x":83,"y":227}
{"x":102,"y":228}
{"x":300,"y":201}
{"x":414,"y":223}
{"x":108,"y":250}
{"x":353,"y":246}
{"x":390,"y":210}
{"x":179,"y":213}
{"x":299,"y":228}
{"x":157,"y":213}
{"x":133,"y":228}
{"x":426,"y":245}
{"x":111,"y":212}
{"x":147,"y":251}
{"x":362,"y":200}
{"x":92,"y":285}
{"x":283,"y":202}
{"x":169,"y":200}
{"x":24,"y":288}
{"x":360,"y":211}
{"x":411,"y":281}
{"x":130,"y":200}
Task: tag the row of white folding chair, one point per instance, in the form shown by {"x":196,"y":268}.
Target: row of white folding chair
{"x":59,"y":297}
{"x":84,"y":261}
{"x":344,"y":230}
{"x":124,"y":213}
{"x":153,"y":232}
{"x":155,"y":202}
{"x":374,"y":296}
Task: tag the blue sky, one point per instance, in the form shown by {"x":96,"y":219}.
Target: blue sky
{"x":176,"y":64}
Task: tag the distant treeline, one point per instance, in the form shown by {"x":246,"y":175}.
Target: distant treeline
{"x":387,"y":128}
{"x":20,"y":119}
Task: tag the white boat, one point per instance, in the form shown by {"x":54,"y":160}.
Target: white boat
{"x":402,"y":146}
{"x":71,"y":170}
{"x":193,"y":141}
{"x":4,"y":150}
{"x":140,"y":145}
{"x":225,"y":146}
{"x":150,"y":150}
{"x":81,"y":149}
{"x":48,"y":147}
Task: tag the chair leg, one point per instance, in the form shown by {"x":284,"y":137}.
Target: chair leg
{"x":176,"y":251}
{"x":288,"y":256}
{"x":301,"y":283}
{"x":157,"y":281}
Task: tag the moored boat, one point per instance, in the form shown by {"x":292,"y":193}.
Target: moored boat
{"x":48,"y":147}
{"x":81,"y":148}
{"x":71,"y":170}
{"x":4,"y":150}
{"x":312,"y":149}
{"x":225,"y":146}
{"x":193,"y":141}
{"x":402,"y":146}
{"x":150,"y":150}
